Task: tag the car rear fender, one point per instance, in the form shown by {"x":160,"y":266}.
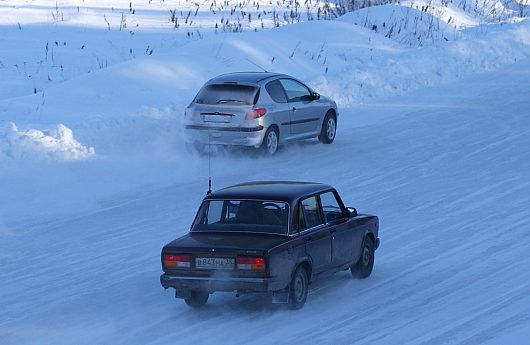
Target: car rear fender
{"x":371,"y":231}
{"x":308,"y":266}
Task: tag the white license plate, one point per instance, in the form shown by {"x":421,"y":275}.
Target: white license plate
{"x":215,"y":263}
{"x":217,"y":118}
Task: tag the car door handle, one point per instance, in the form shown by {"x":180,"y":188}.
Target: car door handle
{"x":294,"y":108}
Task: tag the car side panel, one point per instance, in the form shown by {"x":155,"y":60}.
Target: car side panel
{"x":318,"y":248}
{"x":305,"y":117}
{"x":345,"y":238}
{"x":283,"y":260}
{"x":278,"y":114}
{"x":362,"y":225}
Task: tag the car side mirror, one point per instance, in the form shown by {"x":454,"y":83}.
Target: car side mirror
{"x":315,"y":96}
{"x":307,"y":98}
{"x":352,"y":211}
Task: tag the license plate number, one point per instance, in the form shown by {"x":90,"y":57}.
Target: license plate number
{"x":217,"y":118}
{"x":215,"y":263}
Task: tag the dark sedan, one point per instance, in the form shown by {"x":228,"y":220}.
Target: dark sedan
{"x":270,"y":237}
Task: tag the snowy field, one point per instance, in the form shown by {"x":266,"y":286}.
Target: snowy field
{"x":433,"y":137}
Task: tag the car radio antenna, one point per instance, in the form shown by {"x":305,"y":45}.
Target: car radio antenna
{"x":255,"y":64}
{"x":209,"y":166}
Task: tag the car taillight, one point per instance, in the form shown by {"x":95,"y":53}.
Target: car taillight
{"x":177,"y":261}
{"x":255,"y":113}
{"x":250,"y":263}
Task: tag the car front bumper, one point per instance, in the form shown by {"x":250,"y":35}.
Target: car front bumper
{"x":240,"y":136}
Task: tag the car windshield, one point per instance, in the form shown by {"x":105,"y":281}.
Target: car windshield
{"x":227,"y":94}
{"x":243,"y":216}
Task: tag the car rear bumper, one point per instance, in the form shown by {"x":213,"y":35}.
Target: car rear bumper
{"x":241,"y":136}
{"x":215,"y":284}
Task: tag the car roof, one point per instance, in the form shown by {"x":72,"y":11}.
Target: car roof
{"x":288,"y":191}
{"x":245,"y":77}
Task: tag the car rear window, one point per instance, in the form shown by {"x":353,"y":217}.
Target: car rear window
{"x":228,"y":94}
{"x":243,"y":216}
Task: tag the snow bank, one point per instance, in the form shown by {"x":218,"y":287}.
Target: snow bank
{"x":56,"y":144}
{"x":407,"y":25}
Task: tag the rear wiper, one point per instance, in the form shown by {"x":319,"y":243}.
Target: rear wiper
{"x":229,"y":101}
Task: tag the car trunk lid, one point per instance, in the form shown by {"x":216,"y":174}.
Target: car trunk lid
{"x":220,"y":114}
{"x":200,"y":241}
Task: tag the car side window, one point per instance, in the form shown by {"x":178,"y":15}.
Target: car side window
{"x":301,"y":220}
{"x":212,"y":213}
{"x":295,"y":91}
{"x":311,"y":213}
{"x":331,"y":207}
{"x":275,"y":90}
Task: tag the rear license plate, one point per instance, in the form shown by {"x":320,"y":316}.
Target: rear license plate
{"x":217,"y":118}
{"x":215,"y":263}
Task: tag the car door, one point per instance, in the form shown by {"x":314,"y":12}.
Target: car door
{"x":280,"y":108}
{"x":305,"y":116}
{"x":343,"y":235}
{"x":316,"y":234}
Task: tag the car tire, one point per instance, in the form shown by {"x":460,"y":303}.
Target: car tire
{"x":363,"y":268}
{"x":298,"y":288}
{"x":329,"y":128}
{"x":197,"y":298}
{"x":271,"y":141}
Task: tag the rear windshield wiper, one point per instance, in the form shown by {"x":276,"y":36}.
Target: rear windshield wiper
{"x":229,"y":101}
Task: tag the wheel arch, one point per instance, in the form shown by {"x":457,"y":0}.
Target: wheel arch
{"x":274,"y":125}
{"x":307,"y":265}
{"x":371,"y":236}
{"x":333,"y":112}
{"x":330,"y":110}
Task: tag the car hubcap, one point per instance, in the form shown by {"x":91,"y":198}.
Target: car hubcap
{"x":366,"y":256}
{"x":272,"y":142}
{"x":299,"y":288}
{"x":331,"y":129}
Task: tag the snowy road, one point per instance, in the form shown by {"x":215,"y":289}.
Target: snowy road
{"x":447,"y":170}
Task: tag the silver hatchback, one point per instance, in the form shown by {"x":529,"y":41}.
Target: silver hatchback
{"x":258,"y":109}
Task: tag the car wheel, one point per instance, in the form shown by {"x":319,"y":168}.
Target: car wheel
{"x":329,"y":129}
{"x":298,"y":288}
{"x":270,"y":141}
{"x":197,"y":298}
{"x":363,"y":268}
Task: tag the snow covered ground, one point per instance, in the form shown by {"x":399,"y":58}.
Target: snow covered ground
{"x":433,"y":137}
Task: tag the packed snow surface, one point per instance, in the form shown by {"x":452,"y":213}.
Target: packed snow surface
{"x":433,"y":137}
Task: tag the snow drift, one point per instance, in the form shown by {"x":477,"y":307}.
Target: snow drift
{"x":56,"y":144}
